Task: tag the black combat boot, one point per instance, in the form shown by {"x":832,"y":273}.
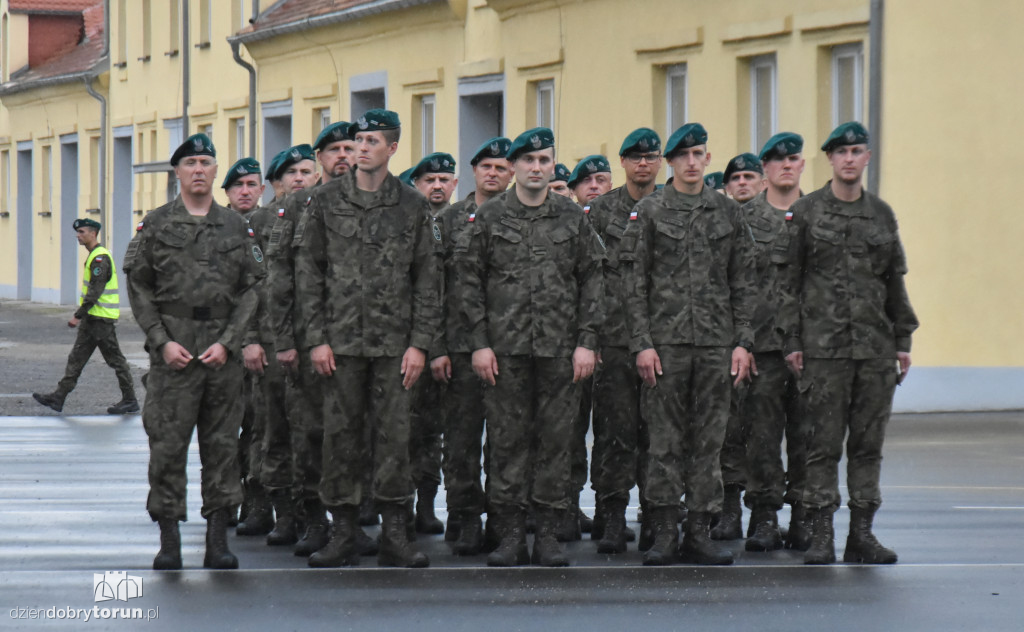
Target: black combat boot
{"x":366,"y":545}
{"x":395,"y":548}
{"x":567,"y":527}
{"x":510,"y":528}
{"x":368,"y":515}
{"x":451,"y":530}
{"x":470,"y":540}
{"x":54,"y":400}
{"x":613,"y":536}
{"x":285,"y":532}
{"x":799,"y":536}
{"x":217,"y":553}
{"x":259,"y":519}
{"x":318,"y":529}
{"x":169,"y":556}
{"x":823,"y":548}
{"x":730,"y":521}
{"x":426,"y":520}
{"x":586,"y":522}
{"x":340,"y":549}
{"x":861,"y":545}
{"x":597,"y":524}
{"x":766,"y":536}
{"x":546,"y":549}
{"x":665,"y":531}
{"x":698,"y":547}
{"x":643,"y":516}
{"x":492,"y":537}
{"x":126,"y":406}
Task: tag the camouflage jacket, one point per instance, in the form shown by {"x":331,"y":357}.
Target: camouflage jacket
{"x":845,"y":290}
{"x":453,"y":220}
{"x":610,"y":215}
{"x":367,"y":279}
{"x":771,"y":232}
{"x":281,"y":216}
{"x":209,"y":266}
{"x":687,"y":272}
{"x":529,"y":279}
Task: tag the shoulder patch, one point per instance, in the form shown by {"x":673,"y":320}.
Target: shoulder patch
{"x":96,"y":270}
{"x":131,"y":253}
{"x":257,"y":254}
{"x":437,"y":232}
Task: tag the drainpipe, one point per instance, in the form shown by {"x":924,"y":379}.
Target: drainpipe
{"x":186,"y":55}
{"x":252,"y":94}
{"x":875,"y":99}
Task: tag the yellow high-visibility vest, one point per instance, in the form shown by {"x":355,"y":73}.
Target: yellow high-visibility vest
{"x":108,"y":305}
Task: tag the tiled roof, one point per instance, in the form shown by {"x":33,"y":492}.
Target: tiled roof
{"x":287,"y":16}
{"x":84,"y":57}
{"x":286,"y":11}
{"x":51,"y":6}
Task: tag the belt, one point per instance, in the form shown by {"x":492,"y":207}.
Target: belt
{"x":197,"y":312}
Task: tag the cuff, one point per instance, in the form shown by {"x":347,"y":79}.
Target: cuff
{"x":421,"y":340}
{"x":791,"y":345}
{"x":903,"y":344}
{"x":587,"y":340}
{"x":641,"y":343}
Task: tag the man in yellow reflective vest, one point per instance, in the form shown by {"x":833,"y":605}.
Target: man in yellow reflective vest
{"x":97,"y":314}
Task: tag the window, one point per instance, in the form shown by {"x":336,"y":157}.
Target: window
{"x":239,"y":16}
{"x":173,"y":30}
{"x":205,"y":23}
{"x":3,"y":57}
{"x":367,"y":92}
{"x":847,"y":83}
{"x":208,"y":130}
{"x":94,"y":172}
{"x":174,"y":136}
{"x":5,"y":181}
{"x":321,"y":119}
{"x":675,"y":98}
{"x":238,"y":139}
{"x":47,"y":179}
{"x":147,"y":35}
{"x":762,"y":100}
{"x":546,"y":104}
{"x":428,"y":106}
{"x":122,"y":34}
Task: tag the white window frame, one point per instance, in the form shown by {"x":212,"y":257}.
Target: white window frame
{"x":856,"y":52}
{"x":325,"y":118}
{"x":546,"y":111}
{"x":674,"y":73}
{"x":756,"y":64}
{"x":428,"y":124}
{"x":369,"y":82}
{"x":241,"y":135}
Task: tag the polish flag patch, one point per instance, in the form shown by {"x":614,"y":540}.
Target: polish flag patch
{"x":586,"y":210}
{"x":789,"y":215}
{"x":472,"y":217}
{"x":632,"y":215}
{"x":280,"y":212}
{"x":138,"y":227}
{"x":251,"y":233}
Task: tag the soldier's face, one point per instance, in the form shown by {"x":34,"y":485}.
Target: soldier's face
{"x":244,"y":193}
{"x":533,"y":170}
{"x":560,"y":188}
{"x":784,"y":173}
{"x":492,"y":175}
{"x":336,"y":158}
{"x":744,"y":185}
{"x":437,"y":187}
{"x":688,"y":165}
{"x":85,"y":235}
{"x":848,"y":162}
{"x":196,"y":174}
{"x":299,"y":176}
{"x":641,"y":168}
{"x":373,"y":151}
{"x":594,"y":185}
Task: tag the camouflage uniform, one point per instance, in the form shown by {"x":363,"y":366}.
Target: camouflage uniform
{"x":849,"y":313}
{"x":529,"y":286}
{"x":192,"y":280}
{"x":366,"y":284}
{"x":250,"y":439}
{"x":691,"y":298}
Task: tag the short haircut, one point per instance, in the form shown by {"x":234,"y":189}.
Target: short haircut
{"x":392,"y":135}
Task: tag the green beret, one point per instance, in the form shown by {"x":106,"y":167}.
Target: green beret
{"x":375,"y":120}
{"x":595,"y":163}
{"x":743,"y":162}
{"x":531,"y":140}
{"x":331,"y":134}
{"x":852,"y":133}
{"x":561,"y":173}
{"x":641,"y":140}
{"x":292,"y":155}
{"x":437,"y":162}
{"x":781,"y":145}
{"x":243,"y":167}
{"x":406,"y":176}
{"x":714,"y":180}
{"x":689,"y":135}
{"x":194,"y":145}
{"x":86,"y":223}
{"x":275,"y":162}
{"x":496,"y":147}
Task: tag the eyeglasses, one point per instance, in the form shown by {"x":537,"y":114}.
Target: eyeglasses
{"x":649,"y":158}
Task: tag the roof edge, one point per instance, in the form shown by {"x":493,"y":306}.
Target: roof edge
{"x":96,"y":70}
{"x":335,"y":17}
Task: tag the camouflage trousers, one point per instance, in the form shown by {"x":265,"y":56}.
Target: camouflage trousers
{"x":619,"y":431}
{"x":92,"y":333}
{"x":734,"y":447}
{"x":529,"y":427}
{"x":849,"y":399}
{"x":769,"y":411}
{"x":177,"y":402}
{"x":463,"y":404}
{"x":366,"y":392}
{"x":304,"y":397}
{"x":250,"y":439}
{"x":278,"y":472}
{"x":687,"y":412}
{"x":425,"y":434}
{"x":578,"y":449}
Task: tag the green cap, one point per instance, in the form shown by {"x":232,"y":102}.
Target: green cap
{"x":595,"y":163}
{"x":496,"y":147}
{"x":275,"y":162}
{"x":331,"y":134}
{"x":406,"y":176}
{"x":781,"y":145}
{"x":641,"y":140}
{"x":243,"y":167}
{"x":292,"y":155}
{"x":743,"y":162}
{"x":689,"y":135}
{"x":86,"y":223}
{"x":194,"y":145}
{"x":714,"y":180}
{"x":375,"y":120}
{"x":437,"y":162}
{"x":852,"y":133}
{"x":531,"y":140}
{"x":561,"y":173}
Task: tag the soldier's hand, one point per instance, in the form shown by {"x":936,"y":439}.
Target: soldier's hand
{"x":412,"y":366}
{"x":73,"y":322}
{"x":485,"y":365}
{"x":795,"y":362}
{"x":323,"y":360}
{"x":288,"y":359}
{"x":583,"y":361}
{"x":175,"y":356}
{"x":648,"y":365}
{"x":753,"y":366}
{"x":215,"y":356}
{"x":904,"y":359}
{"x":441,"y":369}
{"x":254,"y":358}
{"x":740,"y":367}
